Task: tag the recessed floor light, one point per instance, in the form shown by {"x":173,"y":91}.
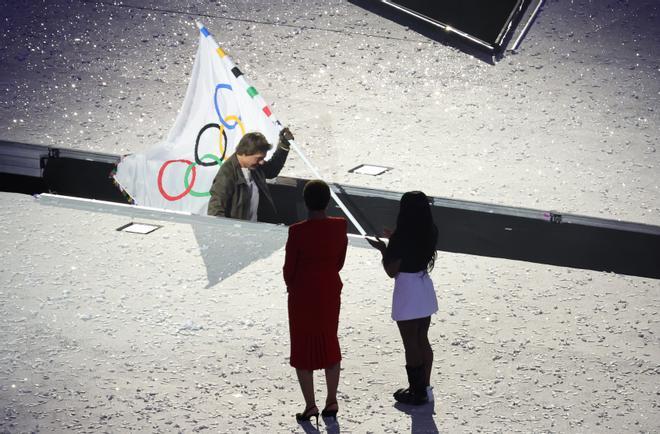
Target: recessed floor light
{"x":369,"y":169}
{"x":138,"y":228}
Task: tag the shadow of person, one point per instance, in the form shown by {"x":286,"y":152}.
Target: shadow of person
{"x":421,"y":417}
{"x":227,"y":246}
{"x":309,"y":427}
{"x":331,"y":425}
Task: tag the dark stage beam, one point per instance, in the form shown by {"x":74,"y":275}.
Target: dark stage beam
{"x":465,"y":227}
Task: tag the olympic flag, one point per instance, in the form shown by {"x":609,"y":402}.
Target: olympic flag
{"x":218,"y":109}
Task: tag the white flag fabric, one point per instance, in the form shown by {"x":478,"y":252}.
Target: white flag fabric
{"x":219,"y":108}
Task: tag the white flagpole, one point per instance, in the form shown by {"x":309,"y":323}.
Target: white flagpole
{"x":309,"y":164}
{"x":332,"y":191}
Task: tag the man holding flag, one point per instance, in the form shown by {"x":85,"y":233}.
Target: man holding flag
{"x":187,"y":171}
{"x":239,"y":189}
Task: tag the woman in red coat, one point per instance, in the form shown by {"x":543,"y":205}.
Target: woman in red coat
{"x":315,"y":252}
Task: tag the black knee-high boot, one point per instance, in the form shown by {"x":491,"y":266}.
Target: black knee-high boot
{"x":415,"y":394}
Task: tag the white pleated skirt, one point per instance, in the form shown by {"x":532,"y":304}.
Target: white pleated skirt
{"x":413,"y":297}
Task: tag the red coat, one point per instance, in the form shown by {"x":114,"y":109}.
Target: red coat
{"x":315,"y":252}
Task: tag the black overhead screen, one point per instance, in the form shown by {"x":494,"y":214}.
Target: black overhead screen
{"x":486,"y":20}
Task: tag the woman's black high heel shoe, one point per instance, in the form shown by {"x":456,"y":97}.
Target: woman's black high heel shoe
{"x":330,"y":413}
{"x":308,"y":414}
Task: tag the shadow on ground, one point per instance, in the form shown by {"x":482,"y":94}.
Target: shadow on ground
{"x":421,"y":417}
{"x":328,"y":426}
{"x":226,"y":251}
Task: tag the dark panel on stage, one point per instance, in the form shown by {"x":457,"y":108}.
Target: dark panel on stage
{"x":465,"y":227}
{"x":496,"y":231}
{"x":486,"y":20}
{"x":82,"y":178}
{"x":22,"y":184}
{"x":535,"y":240}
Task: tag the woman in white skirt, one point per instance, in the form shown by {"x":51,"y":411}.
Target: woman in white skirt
{"x":408,"y":258}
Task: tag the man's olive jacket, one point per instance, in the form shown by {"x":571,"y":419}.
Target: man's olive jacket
{"x":230,"y":194}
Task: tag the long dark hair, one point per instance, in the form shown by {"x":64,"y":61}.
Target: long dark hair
{"x":415,"y":226}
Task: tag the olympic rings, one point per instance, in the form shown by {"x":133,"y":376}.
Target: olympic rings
{"x":160,"y":180}
{"x":238,"y":121}
{"x":191,"y":168}
{"x":216,"y":161}
{"x":223,"y":149}
{"x":217,"y":107}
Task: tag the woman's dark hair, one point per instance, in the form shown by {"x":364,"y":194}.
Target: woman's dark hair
{"x":253,"y":143}
{"x":316,"y":194}
{"x":415,"y":226}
